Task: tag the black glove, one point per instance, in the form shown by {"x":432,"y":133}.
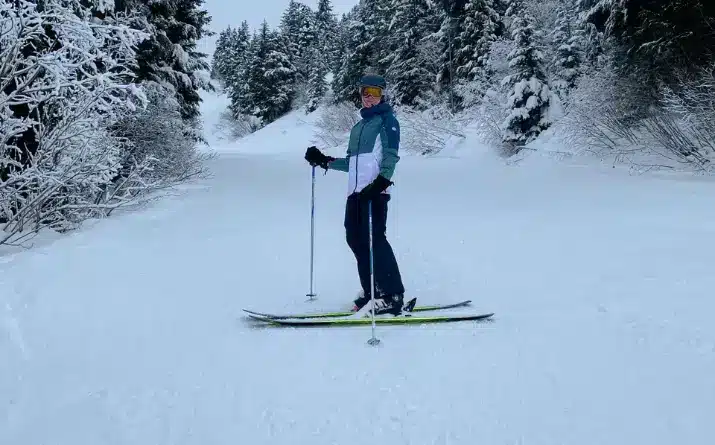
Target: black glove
{"x":316,"y":158}
{"x":373,"y":189}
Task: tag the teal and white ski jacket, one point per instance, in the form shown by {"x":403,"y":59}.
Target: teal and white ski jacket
{"x":372,"y":149}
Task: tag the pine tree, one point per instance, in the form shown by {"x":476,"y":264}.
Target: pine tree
{"x":377,"y":15}
{"x":238,"y":88}
{"x":230,"y":52}
{"x":658,"y":37}
{"x":451,"y":15}
{"x":479,"y":30}
{"x":411,"y":82}
{"x":529,"y":99}
{"x":269,"y":77}
{"x":568,"y":40}
{"x":299,"y":30}
{"x":235,"y":54}
{"x":500,"y":7}
{"x":342,"y":42}
{"x":289,"y":27}
{"x":320,"y":54}
{"x":317,"y":86}
{"x":280,"y":74}
{"x":221,"y":57}
{"x":327,"y":31}
{"x":254,"y":92}
{"x":358,"y":58}
{"x":592,"y":48}
{"x":169,"y":56}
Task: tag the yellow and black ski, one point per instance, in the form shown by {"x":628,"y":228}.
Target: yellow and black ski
{"x":425,"y":308}
{"x":360,"y":321}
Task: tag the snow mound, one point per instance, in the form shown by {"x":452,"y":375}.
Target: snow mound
{"x":290,"y":134}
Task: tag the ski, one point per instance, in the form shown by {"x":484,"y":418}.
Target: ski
{"x":359,"y":321}
{"x":426,"y":308}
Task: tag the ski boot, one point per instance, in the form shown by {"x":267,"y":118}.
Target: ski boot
{"x":389,"y":304}
{"x":394,"y":304}
{"x":362,"y":299}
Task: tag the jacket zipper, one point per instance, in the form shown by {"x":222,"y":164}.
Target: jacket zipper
{"x":358,"y":157}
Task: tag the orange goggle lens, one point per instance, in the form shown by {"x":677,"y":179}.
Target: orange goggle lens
{"x":371,"y":91}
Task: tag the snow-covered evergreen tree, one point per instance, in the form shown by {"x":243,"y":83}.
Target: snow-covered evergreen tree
{"x":592,"y":43}
{"x":451,"y":14}
{"x":238,"y":88}
{"x":658,"y":37}
{"x":290,"y":27}
{"x":230,"y":55}
{"x":321,"y":56}
{"x":369,"y":44}
{"x":222,"y":57}
{"x":170,"y":56}
{"x":529,"y":96}
{"x":500,"y":7}
{"x":299,"y":29}
{"x":377,"y":15}
{"x":317,"y":86}
{"x":280,"y":74}
{"x":342,"y":42}
{"x":327,"y":32}
{"x":266,"y":88}
{"x":567,"y":39}
{"x":411,"y":81}
{"x":480,"y":25}
{"x":238,"y":49}
{"x":358,"y":58}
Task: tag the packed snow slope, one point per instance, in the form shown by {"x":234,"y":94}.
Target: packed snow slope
{"x":130,"y":331}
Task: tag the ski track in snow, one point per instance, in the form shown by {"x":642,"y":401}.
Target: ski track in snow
{"x":131,"y":332}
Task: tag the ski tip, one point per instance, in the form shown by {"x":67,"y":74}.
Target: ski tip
{"x":255,"y":315}
{"x":261,"y":318}
{"x":250,"y":312}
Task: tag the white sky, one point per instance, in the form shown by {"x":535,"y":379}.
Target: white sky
{"x":233,"y":12}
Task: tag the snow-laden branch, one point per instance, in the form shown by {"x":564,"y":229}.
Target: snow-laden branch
{"x":75,"y":142}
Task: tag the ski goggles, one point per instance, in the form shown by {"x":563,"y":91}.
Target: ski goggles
{"x":371,"y":91}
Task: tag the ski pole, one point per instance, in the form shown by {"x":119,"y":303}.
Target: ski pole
{"x":374,"y":341}
{"x":311,"y":294}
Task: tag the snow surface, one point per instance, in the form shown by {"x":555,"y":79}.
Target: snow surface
{"x":130,"y":331}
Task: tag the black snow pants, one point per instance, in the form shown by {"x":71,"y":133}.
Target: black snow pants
{"x":357,"y":232}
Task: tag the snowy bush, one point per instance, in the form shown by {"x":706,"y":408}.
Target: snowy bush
{"x":614,"y":115}
{"x":159,"y":140}
{"x":694,"y":103}
{"x":604,"y":112}
{"x":428,"y":132}
{"x":678,"y":142}
{"x":66,"y":94}
{"x":685,"y":127}
{"x":491,"y":99}
{"x":335,"y":122}
{"x":234,"y":127}
{"x":490,"y":116}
